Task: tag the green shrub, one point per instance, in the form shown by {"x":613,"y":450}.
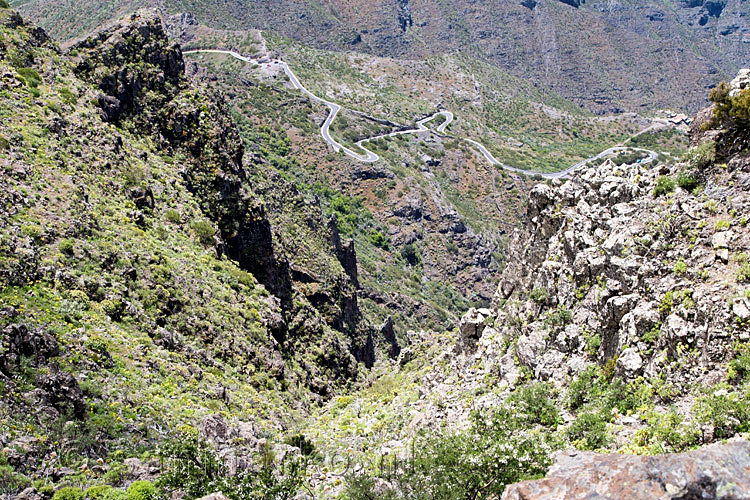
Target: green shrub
{"x":593,"y":343}
{"x":559,"y":317}
{"x":67,"y":96}
{"x":141,"y":490}
{"x":204,"y":230}
{"x":727,"y":411}
{"x":608,"y":370}
{"x":377,"y":239}
{"x":99,"y":492}
{"x":4,"y":4}
{"x":114,"y":308}
{"x":702,"y":156}
{"x":69,"y":493}
{"x":680,"y":267}
{"x":66,"y":246}
{"x":688,"y":181}
{"x":32,"y":230}
{"x":666,"y":433}
{"x":588,"y":431}
{"x":99,"y":350}
{"x":664,"y":185}
{"x":4,"y":143}
{"x":173,"y":216}
{"x":743,"y":272}
{"x":534,"y":404}
{"x":115,"y":494}
{"x":410,"y":254}
{"x":739,"y":367}
{"x":732,"y":109}
{"x":618,"y":394}
{"x":11,"y":482}
{"x":539,"y":295}
{"x":31,"y":76}
{"x":722,"y":225}
{"x":306,"y":447}
{"x":133,"y":175}
{"x":653,"y":334}
{"x":584,"y":388}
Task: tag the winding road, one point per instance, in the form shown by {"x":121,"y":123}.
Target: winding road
{"x":371,"y":157}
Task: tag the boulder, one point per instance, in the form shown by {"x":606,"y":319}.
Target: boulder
{"x":721,"y":239}
{"x":214,"y":428}
{"x":214,"y":496}
{"x":712,"y":473}
{"x":740,"y":82}
{"x":389,"y":335}
{"x":530,"y":346}
{"x":19,"y":341}
{"x":61,"y":389}
{"x":677,"y":328}
{"x":629,"y":363}
{"x":740,"y":308}
{"x":470,"y":328}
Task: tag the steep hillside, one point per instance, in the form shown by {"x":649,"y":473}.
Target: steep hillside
{"x":620,"y":324}
{"x":198,"y":295}
{"x":442,"y":205}
{"x":145,"y":283}
{"x":604,"y":55}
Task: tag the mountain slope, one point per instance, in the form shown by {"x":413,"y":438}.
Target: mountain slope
{"x":620,"y":324}
{"x":607,"y":56}
{"x":144,"y":285}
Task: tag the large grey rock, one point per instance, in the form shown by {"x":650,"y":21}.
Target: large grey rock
{"x":214,"y":496}
{"x":214,"y":428}
{"x":630,"y":363}
{"x":740,"y":82}
{"x":677,"y":328}
{"x":530,"y":347}
{"x":470,"y":328}
{"x":721,"y":239}
{"x":740,"y":308}
{"x":718,"y":472}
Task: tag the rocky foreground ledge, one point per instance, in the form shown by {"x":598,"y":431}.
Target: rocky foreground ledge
{"x":720,"y":472}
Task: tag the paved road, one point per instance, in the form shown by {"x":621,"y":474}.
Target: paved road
{"x":332,"y":106}
{"x":420,"y":128}
{"x":232,"y":53}
{"x":334,"y":109}
{"x":563,"y":173}
{"x":370,"y":157}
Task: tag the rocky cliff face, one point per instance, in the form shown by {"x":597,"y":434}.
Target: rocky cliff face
{"x":640,"y":273}
{"x":141,"y":76}
{"x":144,"y":282}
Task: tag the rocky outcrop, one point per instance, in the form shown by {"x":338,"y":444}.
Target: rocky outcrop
{"x":111,"y":59}
{"x":141,"y":75}
{"x":740,"y":82}
{"x":19,"y":342}
{"x":718,"y":472}
{"x":404,"y":14}
{"x":471,"y":327}
{"x":610,"y":271}
{"x":633,"y":272}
